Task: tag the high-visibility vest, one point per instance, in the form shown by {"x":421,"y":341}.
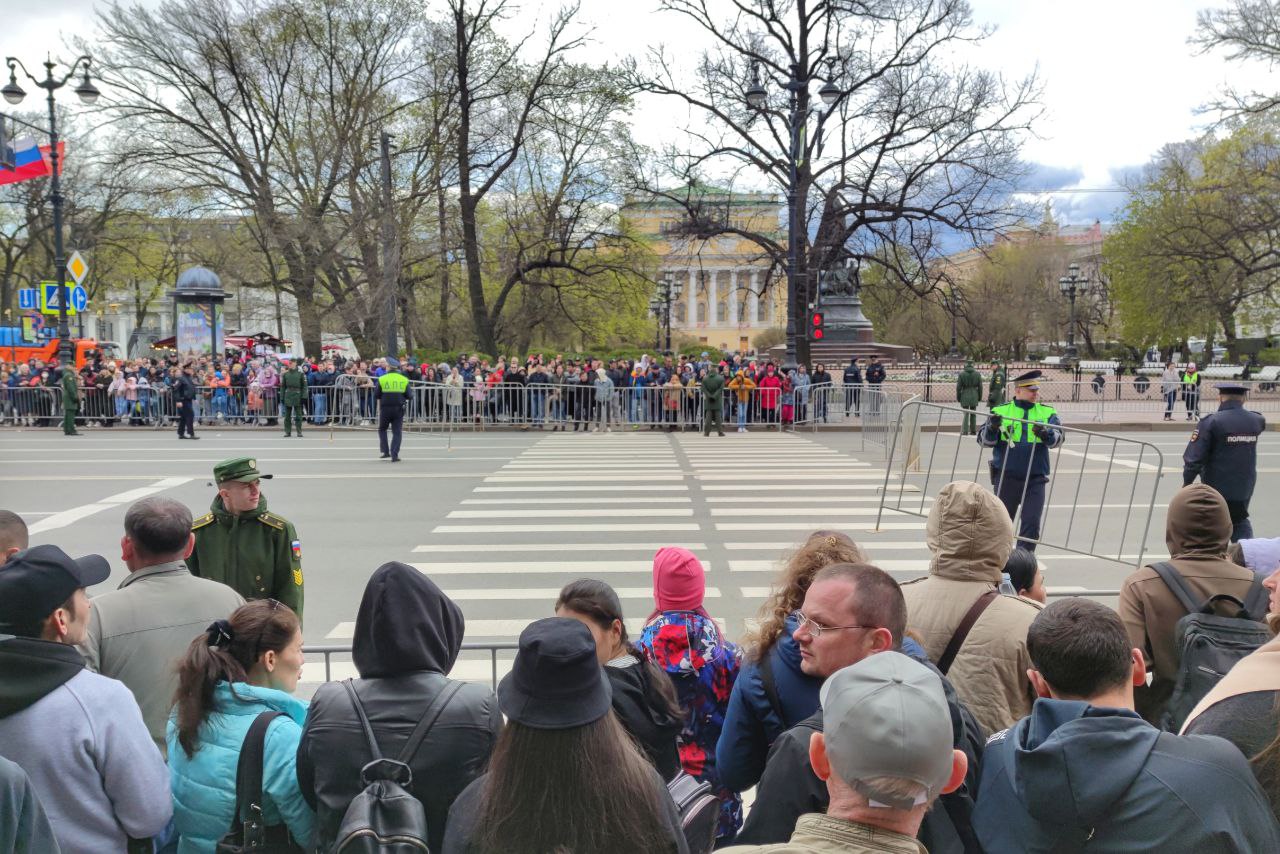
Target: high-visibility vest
{"x":1011,"y":431}
{"x":393,"y":382}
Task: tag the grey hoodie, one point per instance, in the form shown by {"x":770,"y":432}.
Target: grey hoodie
{"x":1072,"y":772}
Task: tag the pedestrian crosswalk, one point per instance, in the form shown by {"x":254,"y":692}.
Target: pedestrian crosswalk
{"x":601,"y":504}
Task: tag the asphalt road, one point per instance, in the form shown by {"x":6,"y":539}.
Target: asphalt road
{"x":502,"y":520}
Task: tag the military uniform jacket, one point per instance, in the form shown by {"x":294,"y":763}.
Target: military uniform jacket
{"x":1223,"y":451}
{"x":256,"y":554}
{"x":70,"y":390}
{"x":713,"y":388}
{"x":294,"y":385}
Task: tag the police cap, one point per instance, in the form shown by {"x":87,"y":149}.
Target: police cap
{"x":1232,"y":388}
{"x":243,"y":469}
{"x":1031,"y":379}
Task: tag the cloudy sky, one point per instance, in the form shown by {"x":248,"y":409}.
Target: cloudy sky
{"x":1120,"y":78}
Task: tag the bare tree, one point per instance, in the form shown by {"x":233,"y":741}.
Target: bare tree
{"x":1246,"y":30}
{"x":918,"y":152}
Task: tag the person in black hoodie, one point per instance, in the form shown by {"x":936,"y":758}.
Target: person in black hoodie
{"x":407,"y":638}
{"x":643,"y":698}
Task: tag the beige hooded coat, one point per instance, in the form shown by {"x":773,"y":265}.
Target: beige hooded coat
{"x":1197,"y":531}
{"x":970,"y":535}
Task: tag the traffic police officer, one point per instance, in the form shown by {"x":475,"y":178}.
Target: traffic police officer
{"x":391,"y":391}
{"x":1223,"y":451}
{"x":239,"y":543}
{"x":1020,"y":459}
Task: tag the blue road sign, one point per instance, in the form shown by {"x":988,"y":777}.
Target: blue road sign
{"x":28,"y":298}
{"x":79,"y":298}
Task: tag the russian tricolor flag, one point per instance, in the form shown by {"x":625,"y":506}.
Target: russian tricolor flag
{"x":30,"y":161}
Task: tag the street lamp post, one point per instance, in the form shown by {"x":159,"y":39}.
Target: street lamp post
{"x":1070,"y":285}
{"x":797,"y":85}
{"x":655,"y":310}
{"x":952,"y":301}
{"x":88,"y":94}
{"x":669,"y":291}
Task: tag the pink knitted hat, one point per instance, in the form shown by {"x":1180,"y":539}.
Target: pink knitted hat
{"x":679,"y":581}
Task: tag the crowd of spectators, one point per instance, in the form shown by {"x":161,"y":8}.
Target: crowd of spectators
{"x":869,"y":715}
{"x":537,"y":392}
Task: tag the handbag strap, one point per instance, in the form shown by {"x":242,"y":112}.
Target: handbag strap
{"x":962,"y":631}
{"x":249,"y":767}
{"x":771,"y":686}
{"x":429,"y":718}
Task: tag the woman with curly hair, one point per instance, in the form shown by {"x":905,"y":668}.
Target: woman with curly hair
{"x":771,"y":694}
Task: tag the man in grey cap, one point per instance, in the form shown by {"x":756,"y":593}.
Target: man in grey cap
{"x":885,"y":754}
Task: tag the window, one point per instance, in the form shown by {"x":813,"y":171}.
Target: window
{"x":722,"y":312}
{"x":702,"y":312}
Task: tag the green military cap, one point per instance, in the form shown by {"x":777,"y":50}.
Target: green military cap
{"x":243,"y":469}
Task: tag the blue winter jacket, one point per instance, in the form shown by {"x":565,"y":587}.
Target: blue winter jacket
{"x":204,"y":785}
{"x":750,"y":723}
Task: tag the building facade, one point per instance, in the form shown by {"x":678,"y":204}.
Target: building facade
{"x":729,"y":296}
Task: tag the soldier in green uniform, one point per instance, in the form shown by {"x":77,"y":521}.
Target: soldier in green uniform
{"x":713,"y":401}
{"x":239,"y":543}
{"x":70,"y":400}
{"x":968,"y":395}
{"x":999,"y":379}
{"x":293,"y":386}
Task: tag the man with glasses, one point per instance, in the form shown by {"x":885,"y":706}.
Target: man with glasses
{"x":254,"y":552}
{"x":852,"y":612}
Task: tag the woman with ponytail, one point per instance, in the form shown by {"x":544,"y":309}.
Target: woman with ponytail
{"x":643,"y":698}
{"x":236,"y":670}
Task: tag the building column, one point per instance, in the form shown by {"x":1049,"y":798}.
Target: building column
{"x":713,"y":308}
{"x":734,"y":296}
{"x":691,"y":305}
{"x":753,"y":310}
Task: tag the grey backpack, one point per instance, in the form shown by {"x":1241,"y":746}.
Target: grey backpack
{"x":1208,"y":643}
{"x":385,"y":818}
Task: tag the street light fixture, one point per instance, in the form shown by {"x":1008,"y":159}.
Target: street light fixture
{"x":757,"y":98}
{"x":1070,"y":285}
{"x":88,"y":94}
{"x":952,"y":302}
{"x":669,"y":290}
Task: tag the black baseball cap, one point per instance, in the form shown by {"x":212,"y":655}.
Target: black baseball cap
{"x":36,"y":581}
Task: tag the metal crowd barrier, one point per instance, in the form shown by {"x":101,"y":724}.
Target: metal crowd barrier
{"x":330,"y":650}
{"x":1126,"y":470}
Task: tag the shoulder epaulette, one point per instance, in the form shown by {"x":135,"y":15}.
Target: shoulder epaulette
{"x":206,"y":519}
{"x":272,"y":521}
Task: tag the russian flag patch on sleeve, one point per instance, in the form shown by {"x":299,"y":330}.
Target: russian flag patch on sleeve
{"x":297,"y":549}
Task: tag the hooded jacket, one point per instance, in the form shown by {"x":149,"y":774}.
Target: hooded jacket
{"x":407,"y":637}
{"x":1197,"y":532}
{"x":970,"y":536}
{"x":1071,"y":772}
{"x":81,"y":740}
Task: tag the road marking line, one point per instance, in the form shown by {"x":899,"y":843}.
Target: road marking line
{"x":565,"y":529}
{"x":523,"y":501}
{"x":679,"y":487}
{"x":553,"y":547}
{"x":591,"y":478}
{"x":825,"y":487}
{"x":867,"y":545}
{"x":75,"y":514}
{"x":811,"y":512}
{"x":548,"y":594}
{"x":560,"y":513}
{"x":809,"y":526}
{"x":919,"y":565}
{"x":498,"y":567}
{"x":502,"y":629}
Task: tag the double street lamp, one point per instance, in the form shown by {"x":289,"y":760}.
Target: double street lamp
{"x":668,"y":292}
{"x":1070,"y":285}
{"x":88,"y":94}
{"x":797,"y":84}
{"x":951,"y":301}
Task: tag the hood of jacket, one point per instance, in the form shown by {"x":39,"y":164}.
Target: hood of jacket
{"x":969,"y":533}
{"x":405,"y":624}
{"x":1072,"y":761}
{"x":31,"y":668}
{"x":685,"y":642}
{"x":1198,"y":523}
{"x":225,"y":516}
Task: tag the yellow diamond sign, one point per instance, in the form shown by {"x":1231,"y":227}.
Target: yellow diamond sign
{"x":77,"y":267}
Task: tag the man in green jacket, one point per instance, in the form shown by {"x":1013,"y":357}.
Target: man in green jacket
{"x":713,"y":401}
{"x":968,"y":395}
{"x":293,"y":386}
{"x":70,"y":400}
{"x":999,"y":379}
{"x":255,"y":553}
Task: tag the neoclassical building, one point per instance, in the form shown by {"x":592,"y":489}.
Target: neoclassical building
{"x":727,"y":297}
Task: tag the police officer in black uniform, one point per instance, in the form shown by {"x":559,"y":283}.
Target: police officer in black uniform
{"x":1223,"y":451}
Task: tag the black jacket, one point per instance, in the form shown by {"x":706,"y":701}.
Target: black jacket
{"x":789,"y":788}
{"x":1223,"y":451}
{"x":408,"y":634}
{"x":184,"y":389}
{"x":654,"y":728}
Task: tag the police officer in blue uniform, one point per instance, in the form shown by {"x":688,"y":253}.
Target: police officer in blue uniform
{"x":1020,"y":455}
{"x":1223,"y":451}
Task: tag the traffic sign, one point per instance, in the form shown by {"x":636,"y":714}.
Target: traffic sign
{"x":77,"y":267}
{"x":28,"y":298}
{"x":79,"y":298}
{"x":49,"y":298}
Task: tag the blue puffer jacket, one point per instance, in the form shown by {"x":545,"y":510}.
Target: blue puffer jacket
{"x":750,"y":723}
{"x":204,"y":784}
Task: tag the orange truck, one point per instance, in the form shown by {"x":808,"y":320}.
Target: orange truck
{"x":14,"y":349}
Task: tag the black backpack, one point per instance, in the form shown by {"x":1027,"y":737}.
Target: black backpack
{"x":1209,"y":644}
{"x":385,"y":817}
{"x":249,"y":830}
{"x":699,"y":810}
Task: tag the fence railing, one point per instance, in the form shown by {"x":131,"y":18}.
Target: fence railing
{"x":328,"y":651}
{"x":1120,"y":473}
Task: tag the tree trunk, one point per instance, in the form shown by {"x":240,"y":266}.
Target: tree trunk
{"x":442,"y":223}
